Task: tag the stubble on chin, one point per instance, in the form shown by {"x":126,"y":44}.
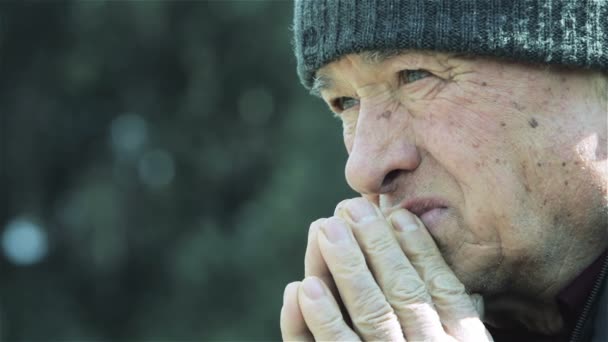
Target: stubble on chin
{"x":482,"y":274}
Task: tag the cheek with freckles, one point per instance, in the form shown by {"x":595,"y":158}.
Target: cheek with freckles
{"x":472,"y":142}
{"x":469,"y":140}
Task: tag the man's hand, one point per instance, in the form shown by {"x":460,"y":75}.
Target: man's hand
{"x":393,"y":283}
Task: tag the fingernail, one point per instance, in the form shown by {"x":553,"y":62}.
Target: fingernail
{"x":335,"y":229}
{"x":313,"y":288}
{"x":403,"y":221}
{"x":361,"y":210}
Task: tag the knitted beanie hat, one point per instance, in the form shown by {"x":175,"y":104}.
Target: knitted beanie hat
{"x":566,"y":32}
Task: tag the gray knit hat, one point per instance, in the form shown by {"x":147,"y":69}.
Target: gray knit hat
{"x":567,"y":32}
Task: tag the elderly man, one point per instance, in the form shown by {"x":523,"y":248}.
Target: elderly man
{"x":476,"y":134}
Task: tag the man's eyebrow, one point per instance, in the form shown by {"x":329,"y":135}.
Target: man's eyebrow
{"x":379,"y":56}
{"x":323,"y":82}
{"x":319,"y":84}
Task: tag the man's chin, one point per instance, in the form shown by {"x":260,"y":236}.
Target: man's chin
{"x":484,"y":282}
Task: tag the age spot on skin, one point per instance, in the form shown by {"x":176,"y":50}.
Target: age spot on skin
{"x":483,"y":84}
{"x":518,"y":106}
{"x":533,"y":123}
{"x":385,"y":115}
{"x":502,"y":124}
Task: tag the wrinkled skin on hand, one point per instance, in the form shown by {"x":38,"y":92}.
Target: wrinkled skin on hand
{"x":388,"y":275}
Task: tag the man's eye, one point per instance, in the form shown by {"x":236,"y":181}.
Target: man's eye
{"x":409,"y":76}
{"x":341,"y":104}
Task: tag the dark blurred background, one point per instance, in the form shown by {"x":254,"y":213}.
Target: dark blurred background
{"x":159,"y":167}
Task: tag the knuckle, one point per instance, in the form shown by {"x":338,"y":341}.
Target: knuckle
{"x":445,"y":288}
{"x":336,"y":220}
{"x":407,"y":291}
{"x":378,"y":244}
{"x":367,"y":301}
{"x":429,"y":268}
{"x":331,"y":325}
{"x":361,"y":284}
{"x":424,"y":253}
{"x":342,"y":335}
{"x":442,"y":283}
{"x":350,"y":266}
{"x":374,"y":315}
{"x":314,"y":227}
{"x":397,"y":268}
{"x":340,"y":206}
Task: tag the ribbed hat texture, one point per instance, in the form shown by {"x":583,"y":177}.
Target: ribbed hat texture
{"x":567,"y":32}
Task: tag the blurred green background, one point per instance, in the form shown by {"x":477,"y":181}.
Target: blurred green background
{"x":159,"y":167}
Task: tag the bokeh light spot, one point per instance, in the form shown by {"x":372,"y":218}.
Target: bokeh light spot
{"x":24,"y":242}
{"x":156,"y":168}
{"x":129,"y":133}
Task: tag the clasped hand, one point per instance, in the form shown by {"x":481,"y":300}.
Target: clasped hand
{"x":368,"y":277}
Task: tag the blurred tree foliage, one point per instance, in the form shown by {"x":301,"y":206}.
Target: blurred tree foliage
{"x":169,"y":161}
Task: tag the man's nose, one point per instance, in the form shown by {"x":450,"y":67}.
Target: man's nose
{"x":381,"y":151}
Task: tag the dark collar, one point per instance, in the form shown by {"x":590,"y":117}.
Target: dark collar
{"x":571,"y":300}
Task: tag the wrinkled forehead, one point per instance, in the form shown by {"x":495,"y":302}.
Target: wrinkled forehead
{"x":324,"y":78}
{"x":378,"y":62}
{"x":368,"y":66}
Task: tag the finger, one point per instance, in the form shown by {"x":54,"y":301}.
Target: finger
{"x":314,"y":265}
{"x":404,"y":289}
{"x":372,"y":316}
{"x":321,"y":312}
{"x":454,"y":306}
{"x":293,"y":326}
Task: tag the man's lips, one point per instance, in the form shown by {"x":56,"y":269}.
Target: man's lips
{"x":420,"y":206}
{"x":430,"y":210}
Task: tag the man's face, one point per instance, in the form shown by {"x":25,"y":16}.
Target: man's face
{"x":504,"y":163}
